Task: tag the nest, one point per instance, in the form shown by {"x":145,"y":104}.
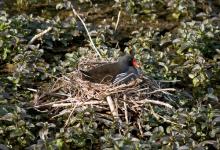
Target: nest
{"x":70,"y":95}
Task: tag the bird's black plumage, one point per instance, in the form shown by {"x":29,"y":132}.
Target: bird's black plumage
{"x":108,"y":72}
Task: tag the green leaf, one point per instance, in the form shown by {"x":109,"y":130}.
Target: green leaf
{"x":196,"y":82}
{"x":192,"y":75}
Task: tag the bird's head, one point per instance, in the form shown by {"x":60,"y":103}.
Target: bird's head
{"x":133,"y":61}
{"x":129,"y":60}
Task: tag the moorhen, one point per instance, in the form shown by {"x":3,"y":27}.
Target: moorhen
{"x":113,"y":72}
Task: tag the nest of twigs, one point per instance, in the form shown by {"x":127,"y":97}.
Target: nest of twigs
{"x":70,"y":95}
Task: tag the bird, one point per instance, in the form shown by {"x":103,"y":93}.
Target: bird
{"x":112,"y":72}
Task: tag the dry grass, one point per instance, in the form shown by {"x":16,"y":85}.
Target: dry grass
{"x":69,"y":95}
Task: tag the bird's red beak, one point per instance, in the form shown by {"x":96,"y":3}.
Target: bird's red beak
{"x":135,"y":64}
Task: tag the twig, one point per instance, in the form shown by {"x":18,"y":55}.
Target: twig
{"x":146,"y":77}
{"x":56,"y":102}
{"x":93,"y":45}
{"x":126,"y":113}
{"x":39,"y":35}
{"x":153,"y":112}
{"x":140,"y":128}
{"x":118,"y":19}
{"x":169,"y":81}
{"x":116,"y":106}
{"x":161,"y":90}
{"x":66,"y":123}
{"x":157,"y":116}
{"x":164,"y":92}
{"x":135,"y":104}
{"x":155,"y":102}
{"x":147,"y":88}
{"x":112,"y":107}
{"x":61,"y":114}
{"x":32,"y":90}
{"x":93,"y":62}
{"x":166,"y":120}
{"x":78,"y":103}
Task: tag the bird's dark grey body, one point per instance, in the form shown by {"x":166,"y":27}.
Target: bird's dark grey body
{"x":109,"y":72}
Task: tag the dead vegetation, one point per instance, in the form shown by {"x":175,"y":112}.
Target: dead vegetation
{"x":124,"y":103}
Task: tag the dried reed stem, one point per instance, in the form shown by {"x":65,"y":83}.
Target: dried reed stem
{"x":126,"y":113}
{"x":155,"y":102}
{"x":118,"y":19}
{"x":93,"y":45}
{"x":39,"y":35}
{"x":112,"y":107}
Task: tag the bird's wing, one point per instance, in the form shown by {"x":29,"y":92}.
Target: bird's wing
{"x":125,"y":77}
